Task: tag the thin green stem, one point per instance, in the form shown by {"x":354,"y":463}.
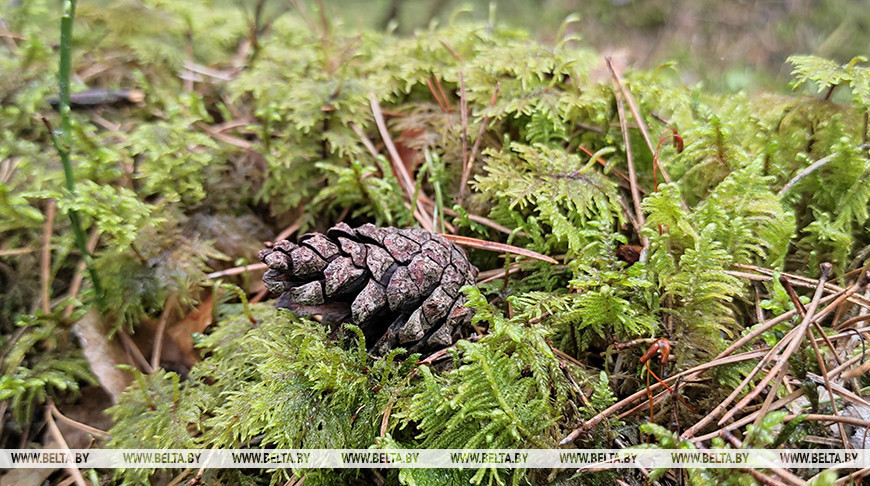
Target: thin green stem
{"x":65,"y":142}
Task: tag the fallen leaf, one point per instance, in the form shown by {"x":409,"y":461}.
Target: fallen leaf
{"x":196,"y":321}
{"x":103,"y":355}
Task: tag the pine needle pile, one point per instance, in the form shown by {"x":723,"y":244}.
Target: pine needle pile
{"x":726,"y":233}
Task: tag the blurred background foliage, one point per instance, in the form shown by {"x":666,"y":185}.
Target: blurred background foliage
{"x":728,"y":45}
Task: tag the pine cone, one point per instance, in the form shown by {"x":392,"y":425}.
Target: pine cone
{"x":400,"y":286}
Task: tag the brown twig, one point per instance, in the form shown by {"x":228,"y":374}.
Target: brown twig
{"x":58,"y":437}
{"x":134,"y":352}
{"x":405,"y":179}
{"x":467,"y":167}
{"x":367,"y":143}
{"x":778,"y":404}
{"x":848,"y":322}
{"x":161,"y":329}
{"x":385,"y":421}
{"x":802,"y":310}
{"x":437,"y":355}
{"x":782,"y":360}
{"x":497,"y":273}
{"x":495,"y":246}
{"x":236,"y":270}
{"x":632,"y":175}
{"x":74,"y":423}
{"x":76,"y":283}
{"x":441,"y":104}
{"x":751,"y":417}
{"x":783,"y":473}
{"x":761,"y":329}
{"x":616,"y":407}
{"x":768,"y":401}
{"x":807,"y":171}
{"x":850,"y":479}
{"x":840,"y":391}
{"x":636,"y":113}
{"x":223,"y":137}
{"x":824,"y":370}
{"x":798,"y":281}
{"x":443,"y":93}
{"x":769,"y":356}
{"x":603,"y":163}
{"x":293,"y":228}
{"x":482,"y":220}
{"x":463,"y":120}
{"x":45,"y":260}
{"x":15,"y":251}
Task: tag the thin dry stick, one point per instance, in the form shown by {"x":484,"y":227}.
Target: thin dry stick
{"x":782,"y":361}
{"x":632,"y":175}
{"x":421,"y":198}
{"x":750,"y":417}
{"x":800,"y":307}
{"x":161,"y":329}
{"x":405,"y":179}
{"x":284,"y":234}
{"x":776,"y":405}
{"x":746,"y":339}
{"x":616,"y":407}
{"x":463,"y":119}
{"x":75,"y":423}
{"x":719,"y":409}
{"x":484,"y":221}
{"x":441,"y":104}
{"x":841,"y":296}
{"x":15,"y":251}
{"x":839,"y":369}
{"x":848,"y":322}
{"x":824,"y":370}
{"x":636,"y":113}
{"x":364,"y":139}
{"x":236,"y":270}
{"x":385,"y":421}
{"x":469,"y":242}
{"x":57,"y":436}
{"x":783,"y":473}
{"x":762,"y":329}
{"x":841,"y":391}
{"x":45,"y":261}
{"x":807,"y":171}
{"x":737,"y":345}
{"x":799,"y":281}
{"x":830,"y":418}
{"x":497,"y":273}
{"x":768,"y":401}
{"x":441,"y":89}
{"x":857,"y":475}
{"x":134,"y":352}
{"x":77,"y":280}
{"x":466,"y":169}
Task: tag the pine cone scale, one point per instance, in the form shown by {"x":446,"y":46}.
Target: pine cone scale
{"x":380,"y":263}
{"x":342,"y":277}
{"x":401,"y":286}
{"x":401,"y":248}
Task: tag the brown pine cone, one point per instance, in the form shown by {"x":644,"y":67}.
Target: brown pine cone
{"x":400,"y":286}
